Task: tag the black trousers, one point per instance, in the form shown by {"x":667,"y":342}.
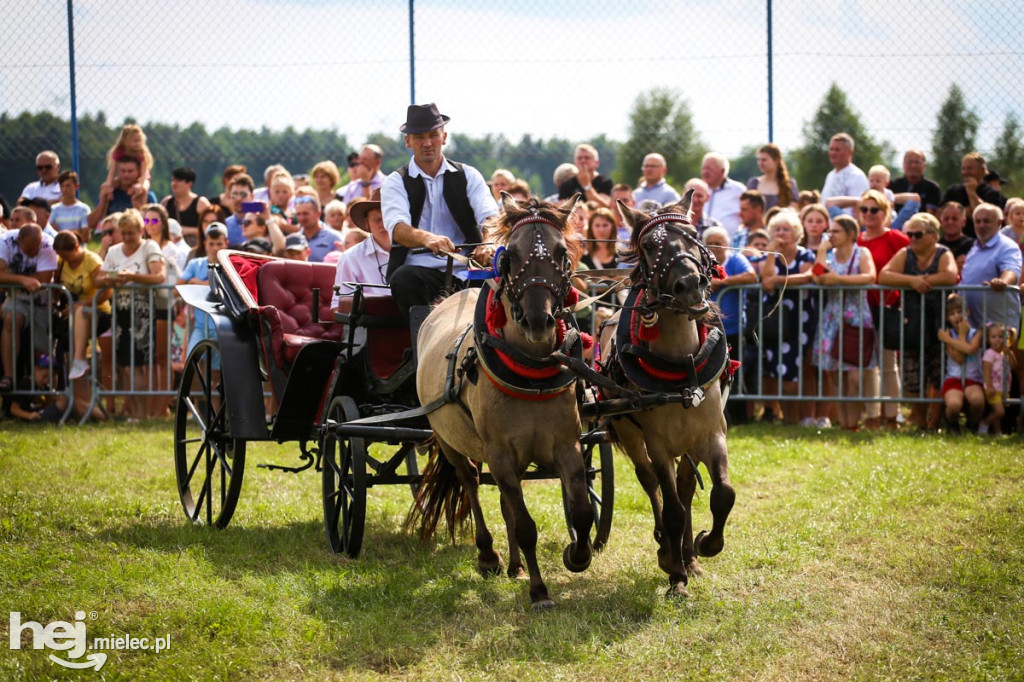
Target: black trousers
{"x":412,"y":285}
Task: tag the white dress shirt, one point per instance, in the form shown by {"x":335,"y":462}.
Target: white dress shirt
{"x":435,"y":218}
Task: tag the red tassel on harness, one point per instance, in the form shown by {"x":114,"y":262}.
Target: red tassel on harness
{"x":647,"y":329}
{"x":718,"y":271}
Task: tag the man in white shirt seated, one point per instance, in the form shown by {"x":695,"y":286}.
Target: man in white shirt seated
{"x":367,"y":261}
{"x":430,"y":203}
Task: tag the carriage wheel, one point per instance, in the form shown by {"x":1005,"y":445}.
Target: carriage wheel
{"x":598,"y":479}
{"x":344,"y":479}
{"x":208,"y":462}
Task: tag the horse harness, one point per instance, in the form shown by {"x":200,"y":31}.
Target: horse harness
{"x":659,"y":227}
{"x":684,"y":380}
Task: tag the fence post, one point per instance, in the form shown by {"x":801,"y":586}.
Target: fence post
{"x":74,"y":102}
{"x":412,"y":53}
{"x":771,"y":113}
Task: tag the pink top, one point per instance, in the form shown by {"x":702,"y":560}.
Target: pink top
{"x":996,"y":359}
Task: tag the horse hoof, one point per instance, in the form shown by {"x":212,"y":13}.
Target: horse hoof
{"x":567,"y":560}
{"x":693,"y":568}
{"x":542,"y":605}
{"x":677,"y":591}
{"x":489,"y":570}
{"x":700,"y":543}
{"x":518,"y":573}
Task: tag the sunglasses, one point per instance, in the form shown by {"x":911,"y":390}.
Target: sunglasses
{"x":248,"y":222}
{"x":870,"y":209}
{"x":916,"y":235}
{"x":305,"y":200}
{"x":239,"y":195}
{"x":152,"y":221}
{"x":44,"y":166}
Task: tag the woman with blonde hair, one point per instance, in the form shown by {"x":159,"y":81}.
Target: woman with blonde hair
{"x":789,"y":320}
{"x":774,"y":183}
{"x":325,"y":178}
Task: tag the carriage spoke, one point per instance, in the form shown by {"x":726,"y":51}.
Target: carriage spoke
{"x":195,"y":413}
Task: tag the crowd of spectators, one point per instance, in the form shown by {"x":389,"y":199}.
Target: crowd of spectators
{"x":804,"y":323}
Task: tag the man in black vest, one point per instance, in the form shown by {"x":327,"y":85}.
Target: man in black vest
{"x":430,"y":203}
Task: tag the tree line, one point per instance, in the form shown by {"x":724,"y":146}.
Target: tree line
{"x":660,"y":120}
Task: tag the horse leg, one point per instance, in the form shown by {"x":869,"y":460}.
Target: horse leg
{"x":525,"y":529}
{"x":569,"y":466}
{"x":633,"y":443}
{"x":674,"y":520}
{"x":488,"y":561}
{"x":516,"y":570}
{"x":686,"y":484}
{"x":722,"y":498}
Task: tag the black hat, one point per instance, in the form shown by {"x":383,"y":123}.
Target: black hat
{"x":39,"y":202}
{"x":994,"y":175}
{"x":422,"y":118}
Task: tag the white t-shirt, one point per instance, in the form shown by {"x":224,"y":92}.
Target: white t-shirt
{"x":73,"y":217}
{"x":20,"y":264}
{"x":138,"y":262}
{"x":848,"y":182}
{"x":50,"y":192}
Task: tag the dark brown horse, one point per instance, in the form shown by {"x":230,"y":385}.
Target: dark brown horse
{"x":667,"y":340}
{"x":515,"y":407}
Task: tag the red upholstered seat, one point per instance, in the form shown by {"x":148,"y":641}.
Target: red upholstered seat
{"x":285,"y":296}
{"x":388,"y":338}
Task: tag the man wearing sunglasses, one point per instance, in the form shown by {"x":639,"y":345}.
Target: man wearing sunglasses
{"x":47,"y":187}
{"x":366,"y":175}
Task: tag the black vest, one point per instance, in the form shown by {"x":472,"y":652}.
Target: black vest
{"x":455,"y":197}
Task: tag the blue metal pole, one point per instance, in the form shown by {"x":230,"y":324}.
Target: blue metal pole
{"x":771,"y":112}
{"x":412,"y":54}
{"x":74,"y":101}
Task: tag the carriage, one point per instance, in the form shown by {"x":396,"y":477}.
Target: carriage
{"x":285,"y":367}
{"x":342,"y":381}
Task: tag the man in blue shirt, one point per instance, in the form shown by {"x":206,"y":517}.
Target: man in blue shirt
{"x":319,"y":237}
{"x":994,"y":261}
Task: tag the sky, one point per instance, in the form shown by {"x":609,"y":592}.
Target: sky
{"x":569,"y":69}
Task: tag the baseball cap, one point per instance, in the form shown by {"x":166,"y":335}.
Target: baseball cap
{"x":174,"y":227}
{"x":217,"y":229}
{"x":296,"y":242}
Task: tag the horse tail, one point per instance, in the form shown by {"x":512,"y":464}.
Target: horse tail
{"x":440,"y":494}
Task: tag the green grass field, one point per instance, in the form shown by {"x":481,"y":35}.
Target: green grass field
{"x":847,"y":556}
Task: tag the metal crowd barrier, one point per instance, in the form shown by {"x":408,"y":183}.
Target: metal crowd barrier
{"x":142,"y":333}
{"x":752,"y":342}
{"x":29,"y":341}
{"x":149,"y":320}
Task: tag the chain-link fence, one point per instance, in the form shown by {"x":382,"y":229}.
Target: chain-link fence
{"x":298,"y":82}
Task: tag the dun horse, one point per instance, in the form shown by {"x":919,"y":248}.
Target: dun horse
{"x":667,"y":340}
{"x":513,"y":405}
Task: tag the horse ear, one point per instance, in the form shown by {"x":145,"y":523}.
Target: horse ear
{"x":569,"y":204}
{"x":683,"y":205}
{"x":509,"y":203}
{"x":630,"y":216}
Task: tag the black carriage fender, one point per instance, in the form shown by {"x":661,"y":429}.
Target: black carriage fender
{"x":241,"y":376}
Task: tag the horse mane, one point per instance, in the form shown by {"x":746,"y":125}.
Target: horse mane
{"x":553,"y":212}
